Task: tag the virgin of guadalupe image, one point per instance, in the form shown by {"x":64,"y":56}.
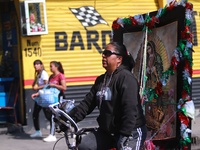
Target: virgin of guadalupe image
{"x":154,"y":66}
{"x":152,"y":55}
{"x":154,"y":69}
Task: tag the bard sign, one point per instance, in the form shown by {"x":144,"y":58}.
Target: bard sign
{"x":63,"y":42}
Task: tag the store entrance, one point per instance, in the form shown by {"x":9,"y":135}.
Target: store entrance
{"x":9,"y":58}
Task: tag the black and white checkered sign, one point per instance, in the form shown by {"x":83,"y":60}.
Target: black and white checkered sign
{"x":88,"y":16}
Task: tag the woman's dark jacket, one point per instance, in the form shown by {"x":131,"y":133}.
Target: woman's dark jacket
{"x":123,"y":112}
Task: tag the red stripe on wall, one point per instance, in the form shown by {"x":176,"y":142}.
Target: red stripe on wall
{"x":196,"y":71}
{"x":81,"y":79}
{"x":28,"y":82}
{"x":68,"y":80}
{"x":86,"y":79}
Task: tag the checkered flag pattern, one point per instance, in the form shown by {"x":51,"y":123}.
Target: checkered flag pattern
{"x":88,"y":16}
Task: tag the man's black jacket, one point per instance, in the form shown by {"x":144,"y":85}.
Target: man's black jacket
{"x":123,"y":112}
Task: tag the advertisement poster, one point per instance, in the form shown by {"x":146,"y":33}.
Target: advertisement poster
{"x":160,"y":113}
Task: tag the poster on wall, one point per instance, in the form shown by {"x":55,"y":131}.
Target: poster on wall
{"x":160,"y":113}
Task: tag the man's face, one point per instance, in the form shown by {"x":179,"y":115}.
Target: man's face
{"x":110,"y":59}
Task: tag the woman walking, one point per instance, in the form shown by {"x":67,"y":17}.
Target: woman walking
{"x":41,"y":78}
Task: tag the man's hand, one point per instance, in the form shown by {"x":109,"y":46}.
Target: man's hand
{"x":121,"y":142}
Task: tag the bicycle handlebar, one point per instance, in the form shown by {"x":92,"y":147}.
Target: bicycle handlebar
{"x":58,"y":112}
{"x":61,"y":111}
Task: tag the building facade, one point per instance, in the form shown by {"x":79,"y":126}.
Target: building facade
{"x":62,"y":32}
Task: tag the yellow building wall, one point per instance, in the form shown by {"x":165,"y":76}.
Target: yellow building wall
{"x":82,"y":66}
{"x":162,"y":3}
{"x":196,"y":38}
{"x":82,"y":62}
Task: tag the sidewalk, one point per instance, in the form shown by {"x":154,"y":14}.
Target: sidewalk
{"x":22,"y":141}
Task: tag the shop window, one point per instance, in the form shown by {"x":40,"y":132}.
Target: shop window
{"x":33,"y":17}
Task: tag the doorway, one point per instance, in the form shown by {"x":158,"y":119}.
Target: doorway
{"x":9,"y":55}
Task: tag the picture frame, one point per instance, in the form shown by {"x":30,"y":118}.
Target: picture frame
{"x":171,"y":136}
{"x":33,"y":18}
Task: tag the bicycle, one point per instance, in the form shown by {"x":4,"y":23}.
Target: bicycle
{"x":67,"y":125}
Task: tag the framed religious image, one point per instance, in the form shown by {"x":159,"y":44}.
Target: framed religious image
{"x":160,"y":113}
{"x":33,"y":17}
{"x":161,"y":45}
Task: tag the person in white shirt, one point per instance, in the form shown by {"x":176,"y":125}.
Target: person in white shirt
{"x":41,"y":78}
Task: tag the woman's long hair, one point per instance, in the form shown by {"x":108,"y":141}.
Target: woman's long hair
{"x":127,"y":58}
{"x":58,"y":65}
{"x":37,"y":74}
